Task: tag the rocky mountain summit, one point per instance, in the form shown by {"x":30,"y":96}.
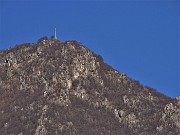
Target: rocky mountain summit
{"x":63,"y":88}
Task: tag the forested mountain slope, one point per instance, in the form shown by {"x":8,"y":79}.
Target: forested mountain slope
{"x":53,"y":88}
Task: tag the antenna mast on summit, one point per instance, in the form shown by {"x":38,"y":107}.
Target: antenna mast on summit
{"x":55,"y":34}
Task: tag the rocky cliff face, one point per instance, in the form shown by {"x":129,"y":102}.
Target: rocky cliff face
{"x":54,"y":88}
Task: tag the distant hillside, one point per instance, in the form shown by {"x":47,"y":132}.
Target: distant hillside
{"x":63,"y":88}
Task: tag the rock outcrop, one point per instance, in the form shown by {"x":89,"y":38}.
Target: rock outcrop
{"x":53,"y":88}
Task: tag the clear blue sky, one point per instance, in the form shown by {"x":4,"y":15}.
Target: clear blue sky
{"x":138,"y":37}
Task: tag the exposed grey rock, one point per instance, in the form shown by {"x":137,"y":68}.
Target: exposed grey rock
{"x":178,"y":100}
{"x":53,"y":88}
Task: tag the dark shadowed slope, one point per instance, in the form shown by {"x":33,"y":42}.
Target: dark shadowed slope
{"x":53,"y":88}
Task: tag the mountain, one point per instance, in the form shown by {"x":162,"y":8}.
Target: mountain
{"x":54,"y":88}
